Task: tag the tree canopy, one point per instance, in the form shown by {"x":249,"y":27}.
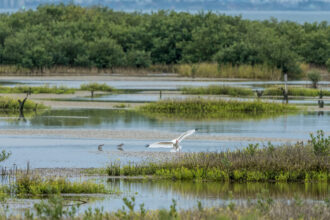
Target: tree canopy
{"x":70,"y":35}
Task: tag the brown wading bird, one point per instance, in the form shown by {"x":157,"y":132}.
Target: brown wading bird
{"x":100,"y":147}
{"x":120,"y":147}
{"x":174,"y":144}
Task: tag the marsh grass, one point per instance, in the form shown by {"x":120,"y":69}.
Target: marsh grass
{"x":228,"y":71}
{"x":218,"y":90}
{"x":252,"y":164}
{"x":295,"y":91}
{"x":263,"y":208}
{"x":35,"y":185}
{"x":11,"y":104}
{"x":213,"y":108}
{"x":38,"y":89}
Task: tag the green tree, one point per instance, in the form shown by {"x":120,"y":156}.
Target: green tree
{"x":106,"y":53}
{"x":138,"y":58}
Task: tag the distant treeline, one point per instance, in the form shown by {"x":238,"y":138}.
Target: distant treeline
{"x":70,"y":35}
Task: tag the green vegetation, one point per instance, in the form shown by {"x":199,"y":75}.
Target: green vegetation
{"x":56,"y":36}
{"x":37,"y":89}
{"x":314,"y":76}
{"x":4,"y":155}
{"x":321,"y":144}
{"x":35,"y":185}
{"x":328,"y":65}
{"x":259,"y":71}
{"x":203,"y":108}
{"x":218,"y":90}
{"x":298,"y":162}
{"x":295,"y":91}
{"x":263,"y":208}
{"x":11,"y":104}
{"x":92,"y":87}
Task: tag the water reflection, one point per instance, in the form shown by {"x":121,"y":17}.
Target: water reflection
{"x":286,"y":126}
{"x":159,"y":194}
{"x":316,"y":191}
{"x":147,"y":84}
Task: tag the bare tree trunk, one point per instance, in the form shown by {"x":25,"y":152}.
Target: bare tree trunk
{"x":21,"y":106}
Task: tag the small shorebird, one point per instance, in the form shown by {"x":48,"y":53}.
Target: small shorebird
{"x":174,"y":144}
{"x":100,"y":147}
{"x":120,"y":147}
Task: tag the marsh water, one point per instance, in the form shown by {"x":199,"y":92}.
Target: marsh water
{"x":158,"y":194}
{"x":61,"y":138}
{"x":68,"y":138}
{"x":155,"y":84}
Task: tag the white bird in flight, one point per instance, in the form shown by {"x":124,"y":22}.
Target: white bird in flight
{"x":174,"y":144}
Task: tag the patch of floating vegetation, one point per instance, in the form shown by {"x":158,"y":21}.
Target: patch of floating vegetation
{"x":38,"y":89}
{"x":218,"y":90}
{"x":205,"y":108}
{"x":12,"y":104}
{"x":287,"y":163}
{"x":35,"y":185}
{"x":295,"y":91}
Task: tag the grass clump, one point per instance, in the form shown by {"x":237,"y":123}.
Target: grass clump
{"x":214,"y":108}
{"x":36,"y":185}
{"x":38,"y":89}
{"x":228,"y":71}
{"x":295,"y":91}
{"x":11,"y":104}
{"x":298,"y":162}
{"x":93,"y":87}
{"x":218,"y":90}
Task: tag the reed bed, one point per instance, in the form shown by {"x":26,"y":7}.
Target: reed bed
{"x":297,"y":162}
{"x":214,"y":108}
{"x":38,"y":89}
{"x":295,"y":91}
{"x":11,"y":104}
{"x":218,"y":90}
{"x":263,"y":72}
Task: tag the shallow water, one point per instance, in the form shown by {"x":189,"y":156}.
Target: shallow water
{"x":73,"y":149}
{"x":285,"y":126}
{"x":159,"y":194}
{"x":157,"y":96}
{"x":161,"y":84}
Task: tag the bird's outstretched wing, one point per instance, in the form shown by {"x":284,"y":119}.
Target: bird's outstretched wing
{"x":185,"y":134}
{"x":163,"y":144}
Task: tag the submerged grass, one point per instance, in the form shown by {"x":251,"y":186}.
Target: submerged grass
{"x":295,"y":91}
{"x":218,"y":90}
{"x":38,"y":89}
{"x":298,"y":162}
{"x":11,"y":104}
{"x":213,"y":108}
